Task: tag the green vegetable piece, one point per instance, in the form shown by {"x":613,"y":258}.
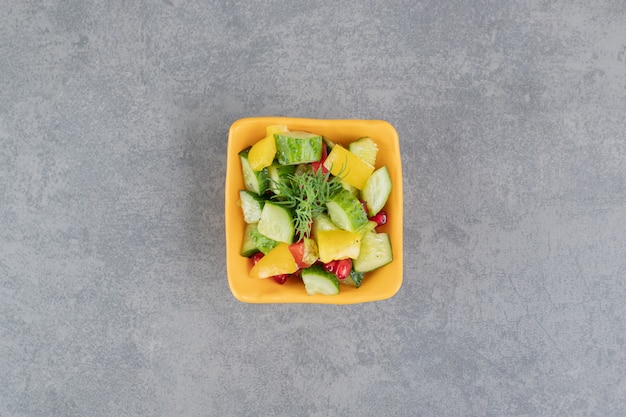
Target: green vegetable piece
{"x":323,"y":222}
{"x":365,"y":148}
{"x":293,"y":148}
{"x":346,"y":211}
{"x":303,"y":169}
{"x":306,"y":194}
{"x":276,"y":223}
{"x":319,"y":281}
{"x":262,"y":242}
{"x":251,"y":205}
{"x":279,"y":174}
{"x":249,"y":246}
{"x":375,"y":252}
{"x":354,"y":279}
{"x":353,"y":190}
{"x":329,"y":143}
{"x":311,"y":252}
{"x":255,"y":181}
{"x":376,"y":190}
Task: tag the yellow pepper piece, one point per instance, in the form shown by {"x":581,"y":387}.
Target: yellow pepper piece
{"x":278,"y":261}
{"x":338,"y":244}
{"x":352,"y":169}
{"x":263,"y":152}
{"x":271,"y":129}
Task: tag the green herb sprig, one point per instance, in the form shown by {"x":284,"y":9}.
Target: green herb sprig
{"x":306,"y":193}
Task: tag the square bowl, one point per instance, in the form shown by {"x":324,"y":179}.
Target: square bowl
{"x":380,"y":284}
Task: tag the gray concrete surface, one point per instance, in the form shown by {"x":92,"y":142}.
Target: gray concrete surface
{"x":113,"y":129}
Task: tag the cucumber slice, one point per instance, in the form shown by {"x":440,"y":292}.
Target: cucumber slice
{"x":367,"y":227}
{"x":302,"y":169}
{"x":310,"y":252}
{"x":293,"y":148}
{"x":263,"y":243}
{"x":319,"y":281}
{"x":323,"y":222}
{"x":249,"y":246}
{"x":376,"y":190}
{"x":346,"y":211}
{"x":365,"y":148}
{"x":251,"y":205}
{"x":354,"y":279}
{"x":276,"y":223}
{"x":255,"y":181}
{"x":375,"y":252}
{"x":329,"y":143}
{"x":353,"y":190}
{"x":278,"y":173}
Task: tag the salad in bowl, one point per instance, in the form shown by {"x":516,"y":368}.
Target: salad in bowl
{"x":313,"y":210}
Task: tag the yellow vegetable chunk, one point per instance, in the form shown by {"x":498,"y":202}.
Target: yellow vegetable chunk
{"x":263,"y":152}
{"x":271,"y":129}
{"x":338,"y":244}
{"x":352,"y":169}
{"x":278,"y":261}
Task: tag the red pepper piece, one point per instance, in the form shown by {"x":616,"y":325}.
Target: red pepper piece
{"x":316,"y":165}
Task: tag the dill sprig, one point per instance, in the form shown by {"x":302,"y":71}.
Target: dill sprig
{"x":306,"y":193}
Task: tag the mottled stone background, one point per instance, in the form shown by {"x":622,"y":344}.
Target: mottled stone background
{"x":113,"y":128}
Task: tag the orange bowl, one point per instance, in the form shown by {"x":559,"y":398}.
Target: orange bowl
{"x":380,"y":284}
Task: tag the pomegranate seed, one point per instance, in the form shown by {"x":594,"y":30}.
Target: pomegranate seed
{"x":256,"y":257}
{"x":380,"y":218}
{"x":281,"y":279}
{"x":344,"y":267}
{"x":331,"y":266}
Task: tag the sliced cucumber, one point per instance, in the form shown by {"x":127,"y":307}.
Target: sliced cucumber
{"x":254,"y":241}
{"x":310,"y":253}
{"x":298,"y":147}
{"x":367,"y":227}
{"x":263,"y":243}
{"x":251,"y":205}
{"x":249,"y":246}
{"x":353,"y":190}
{"x":278,"y":174}
{"x":376,"y":190}
{"x":255,"y":181}
{"x":365,"y":148}
{"x":276,"y":223}
{"x":323,"y":222}
{"x":375,"y":252}
{"x":319,"y":281}
{"x":329,"y":143}
{"x":346,"y":211}
{"x":303,"y":169}
{"x":354,"y":279}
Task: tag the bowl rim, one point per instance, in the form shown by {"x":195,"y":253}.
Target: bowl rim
{"x":232,"y":213}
